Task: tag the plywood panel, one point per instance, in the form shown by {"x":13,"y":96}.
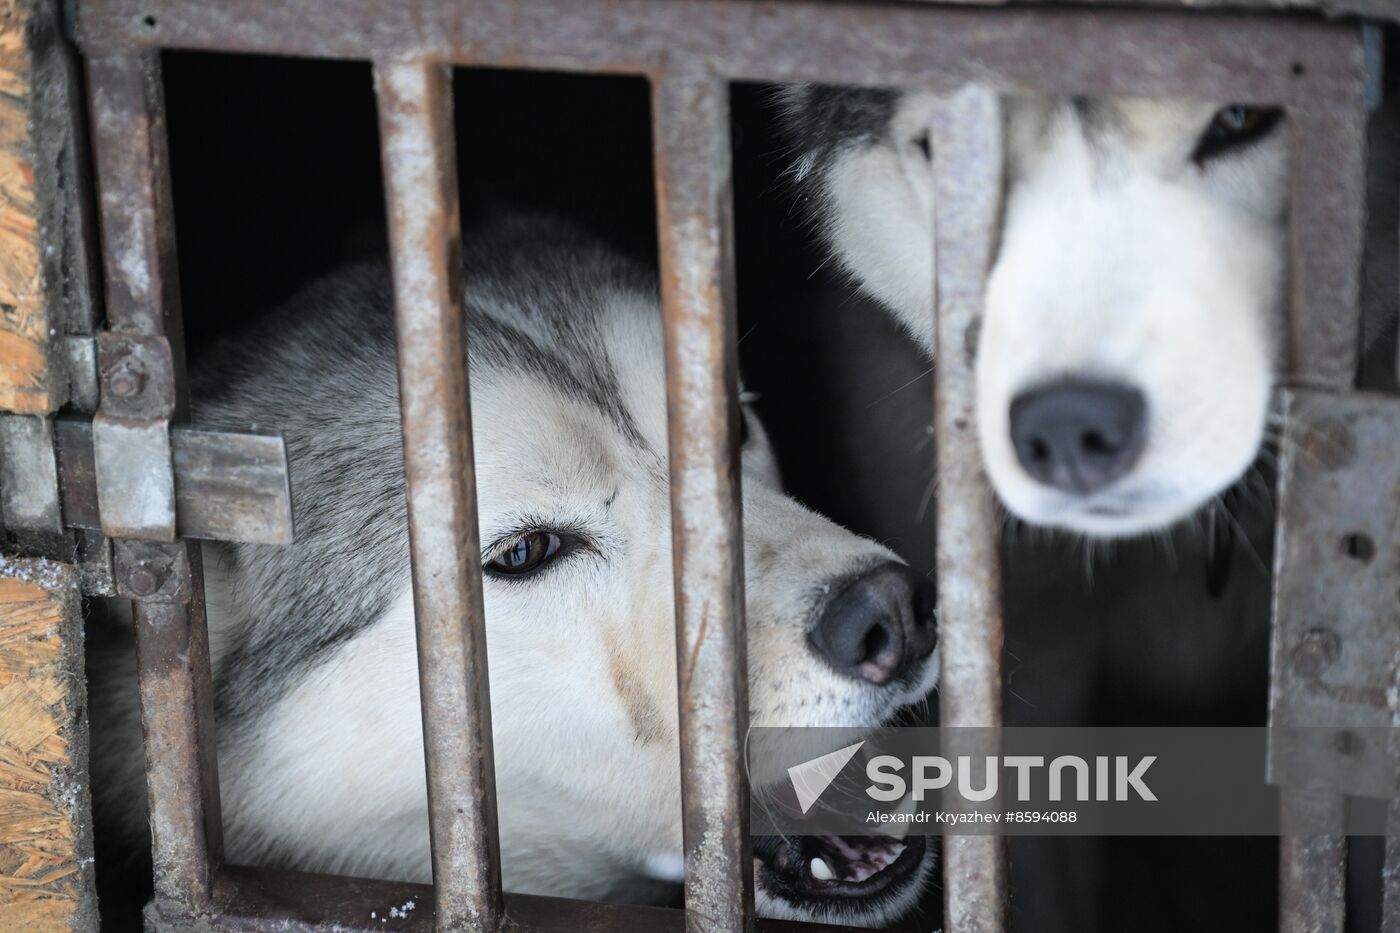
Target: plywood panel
{"x":26,"y":378}
{"x":46,"y":869}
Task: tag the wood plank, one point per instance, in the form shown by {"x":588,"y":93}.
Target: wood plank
{"x":26,"y":332}
{"x":46,"y":867}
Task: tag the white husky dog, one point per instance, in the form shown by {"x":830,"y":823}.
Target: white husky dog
{"x":1128,"y":352}
{"x":320,"y":742}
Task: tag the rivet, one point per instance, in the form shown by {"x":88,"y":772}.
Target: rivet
{"x":143,"y":580}
{"x":1318,"y":651}
{"x":126,"y":381}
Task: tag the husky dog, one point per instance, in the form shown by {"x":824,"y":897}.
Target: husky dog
{"x":312,"y":645}
{"x":1128,"y":350}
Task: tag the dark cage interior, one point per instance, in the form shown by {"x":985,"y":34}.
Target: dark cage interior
{"x":277,"y":178}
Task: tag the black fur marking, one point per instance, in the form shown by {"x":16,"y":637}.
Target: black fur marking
{"x":822,"y":120}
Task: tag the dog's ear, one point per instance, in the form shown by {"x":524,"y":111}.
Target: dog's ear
{"x":1220,"y":551}
{"x":819,"y":119}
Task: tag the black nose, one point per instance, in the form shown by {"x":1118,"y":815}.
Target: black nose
{"x":879,"y":625}
{"x":1079,"y":436}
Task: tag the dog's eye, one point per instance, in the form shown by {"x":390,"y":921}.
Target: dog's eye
{"x":526,"y":554}
{"x":1233,"y":128}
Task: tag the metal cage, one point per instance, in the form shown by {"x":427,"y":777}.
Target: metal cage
{"x":137,"y":476}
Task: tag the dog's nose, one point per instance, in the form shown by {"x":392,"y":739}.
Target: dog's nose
{"x":1079,"y":436}
{"x":879,"y":625}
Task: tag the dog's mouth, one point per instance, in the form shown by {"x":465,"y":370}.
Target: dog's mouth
{"x":851,"y":874}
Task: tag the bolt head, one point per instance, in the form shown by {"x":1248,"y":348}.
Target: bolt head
{"x":125,"y":382}
{"x":143,"y":580}
{"x":1318,"y":651}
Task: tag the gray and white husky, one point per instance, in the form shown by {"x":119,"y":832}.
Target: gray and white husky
{"x":319,"y":731}
{"x":1129,"y":347}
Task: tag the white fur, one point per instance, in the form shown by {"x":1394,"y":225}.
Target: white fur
{"x":331,"y":778}
{"x":1120,"y":259}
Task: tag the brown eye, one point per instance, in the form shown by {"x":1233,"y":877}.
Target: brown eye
{"x":526,"y":554}
{"x":1233,"y":128}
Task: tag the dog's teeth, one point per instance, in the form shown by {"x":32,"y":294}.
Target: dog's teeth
{"x":821,"y":870}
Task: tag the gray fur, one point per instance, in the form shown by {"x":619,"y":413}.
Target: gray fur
{"x":313,"y":648}
{"x":822,"y":120}
{"x":336,"y":401}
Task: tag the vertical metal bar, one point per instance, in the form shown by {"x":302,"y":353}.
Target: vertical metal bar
{"x":420,"y":172}
{"x":690,"y":109}
{"x":177,"y":719}
{"x":133,"y":178}
{"x":967,"y":147}
{"x":1312,"y":867}
{"x":138,"y":248}
{"x":1390,"y":875}
{"x":1327,"y":230}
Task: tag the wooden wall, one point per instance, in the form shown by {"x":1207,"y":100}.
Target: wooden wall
{"x":46,"y":870}
{"x":46,"y":865}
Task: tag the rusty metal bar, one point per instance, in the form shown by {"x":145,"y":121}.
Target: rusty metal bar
{"x":1327,"y":233}
{"x":690,"y":114}
{"x":131,"y":443}
{"x":1334,"y":640}
{"x":294,"y":902}
{"x":128,"y":134}
{"x":1312,"y":868}
{"x":29,"y":496}
{"x":415,"y":118}
{"x":228,"y":486}
{"x":127,"y":105}
{"x":1327,"y":228}
{"x":967,"y":146}
{"x":1390,"y":874}
{"x":177,"y":718}
{"x":1158,"y":53}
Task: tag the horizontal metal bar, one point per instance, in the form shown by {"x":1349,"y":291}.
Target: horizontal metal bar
{"x":135,"y":477}
{"x":228,"y":486}
{"x":1224,"y":56}
{"x":1379,"y":9}
{"x":415,"y":119}
{"x":80,"y":357}
{"x":968,"y":148}
{"x":690,"y":114}
{"x":29,"y":498}
{"x":248,"y":899}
